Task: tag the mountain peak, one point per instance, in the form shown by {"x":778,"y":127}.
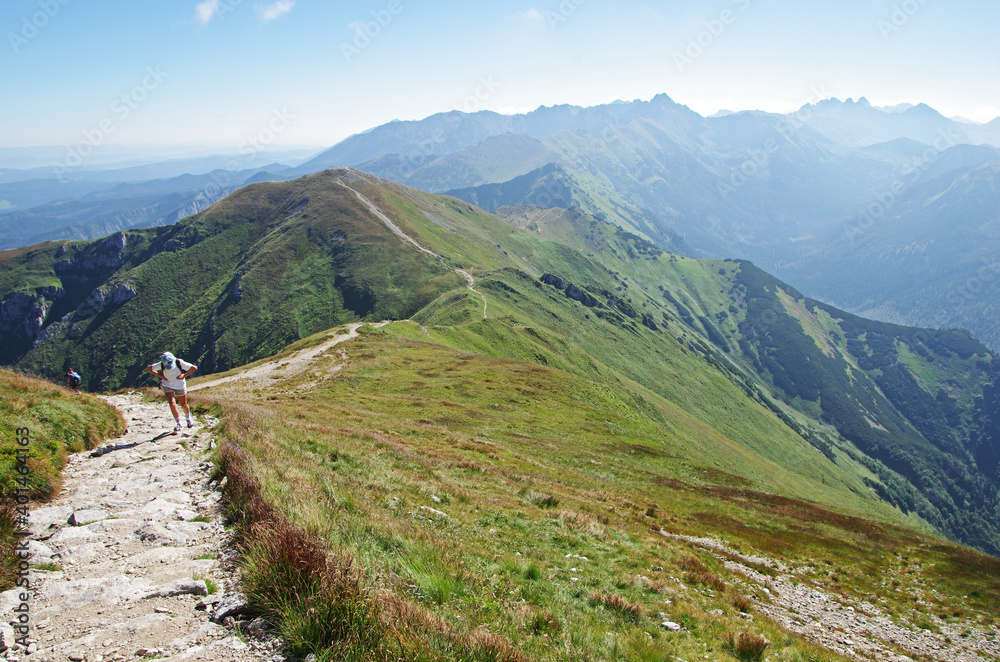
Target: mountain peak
{"x":923,"y":111}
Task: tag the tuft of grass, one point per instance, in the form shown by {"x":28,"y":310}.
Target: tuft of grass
{"x":631,"y":611}
{"x":539,"y":622}
{"x":544,"y":500}
{"x":747,"y":647}
{"x":210,"y":584}
{"x":742,"y":603}
{"x":700,"y":573}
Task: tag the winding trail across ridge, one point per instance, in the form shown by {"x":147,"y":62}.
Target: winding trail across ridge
{"x":287,"y":367}
{"x":373,"y":208}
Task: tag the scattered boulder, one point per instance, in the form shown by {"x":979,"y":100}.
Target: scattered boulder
{"x":6,"y":636}
{"x":44,"y":518}
{"x":39,"y":553}
{"x":433,"y":511}
{"x":231,"y":604}
{"x":186,"y":586}
{"x":554,"y":281}
{"x":156,"y":532}
{"x":82,"y":517}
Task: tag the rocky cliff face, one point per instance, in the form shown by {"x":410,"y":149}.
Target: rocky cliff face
{"x":102,"y":297}
{"x":22,"y":317}
{"x":100,"y":258}
{"x":26,"y":318}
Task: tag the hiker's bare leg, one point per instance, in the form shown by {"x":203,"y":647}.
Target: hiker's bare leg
{"x":182,"y":400}
{"x":173,"y":407}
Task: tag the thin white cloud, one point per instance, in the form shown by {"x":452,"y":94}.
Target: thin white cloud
{"x":532,"y":14}
{"x":276,"y":9}
{"x":206,"y":9}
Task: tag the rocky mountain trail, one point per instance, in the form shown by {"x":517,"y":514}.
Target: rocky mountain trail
{"x":856,"y":628}
{"x":132,"y":561}
{"x":258,"y":376}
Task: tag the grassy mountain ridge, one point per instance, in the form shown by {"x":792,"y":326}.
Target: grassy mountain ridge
{"x":232,"y":267}
{"x":832,"y":405}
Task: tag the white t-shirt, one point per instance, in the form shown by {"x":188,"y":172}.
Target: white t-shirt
{"x":172,"y":376}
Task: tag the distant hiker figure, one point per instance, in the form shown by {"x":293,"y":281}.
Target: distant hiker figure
{"x":173,"y":372}
{"x":73,"y":379}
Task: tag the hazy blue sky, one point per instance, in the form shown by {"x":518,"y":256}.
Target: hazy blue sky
{"x":311,"y":72}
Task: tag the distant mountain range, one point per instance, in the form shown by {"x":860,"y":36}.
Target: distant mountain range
{"x":826,"y":197}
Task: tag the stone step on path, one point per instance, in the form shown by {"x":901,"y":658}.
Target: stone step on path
{"x":126,"y":561}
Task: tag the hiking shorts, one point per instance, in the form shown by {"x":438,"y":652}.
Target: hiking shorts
{"x":173,"y":391}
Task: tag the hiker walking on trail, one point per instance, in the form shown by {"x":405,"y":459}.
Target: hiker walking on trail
{"x":173,"y":372}
{"x":73,"y":379}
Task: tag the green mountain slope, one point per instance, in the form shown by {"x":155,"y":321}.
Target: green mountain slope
{"x":722,"y":360}
{"x":551,"y":506}
{"x":901,"y":402}
{"x":237,"y":282}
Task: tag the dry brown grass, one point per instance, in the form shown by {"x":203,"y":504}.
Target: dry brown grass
{"x":742,"y":603}
{"x":616,"y":603}
{"x":747,"y":647}
{"x":8,"y":558}
{"x":651,"y":585}
{"x":699,"y":572}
